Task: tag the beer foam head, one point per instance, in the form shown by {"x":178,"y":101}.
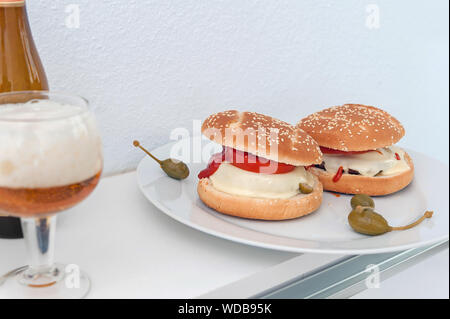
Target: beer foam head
{"x":45,"y":144}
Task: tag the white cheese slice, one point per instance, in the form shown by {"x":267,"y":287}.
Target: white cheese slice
{"x":236,"y":181}
{"x":371,"y":163}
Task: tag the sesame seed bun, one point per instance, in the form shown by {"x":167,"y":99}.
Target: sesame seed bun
{"x":263,"y":136}
{"x":353,"y":127}
{"x":372,"y":186}
{"x":260,"y":208}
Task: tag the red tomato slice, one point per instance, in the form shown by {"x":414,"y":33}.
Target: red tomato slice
{"x":213,"y":166}
{"x":245,"y":161}
{"x":256,"y":164}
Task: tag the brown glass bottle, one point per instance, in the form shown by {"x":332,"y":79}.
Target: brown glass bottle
{"x":20,"y":70}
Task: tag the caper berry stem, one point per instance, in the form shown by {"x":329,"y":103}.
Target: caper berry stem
{"x":428,"y":214}
{"x":137,"y":144}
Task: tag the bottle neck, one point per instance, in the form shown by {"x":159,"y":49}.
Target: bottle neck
{"x":13,"y":13}
{"x":12,"y":3}
{"x":20,"y":66}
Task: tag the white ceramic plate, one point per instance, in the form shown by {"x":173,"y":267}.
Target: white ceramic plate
{"x":326,"y":230}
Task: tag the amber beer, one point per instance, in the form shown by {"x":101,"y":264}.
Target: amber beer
{"x":20,"y":70}
{"x":26,"y":202}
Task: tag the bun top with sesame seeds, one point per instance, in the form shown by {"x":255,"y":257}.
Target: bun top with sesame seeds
{"x":353,"y":127}
{"x":263,"y":136}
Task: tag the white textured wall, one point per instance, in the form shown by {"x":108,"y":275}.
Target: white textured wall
{"x":150,"y":66}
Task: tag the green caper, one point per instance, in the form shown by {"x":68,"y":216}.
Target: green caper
{"x":365,"y":221}
{"x":173,"y":168}
{"x":362,"y":200}
{"x":305,"y":188}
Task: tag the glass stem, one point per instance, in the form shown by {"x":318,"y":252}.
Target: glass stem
{"x":39,"y":234}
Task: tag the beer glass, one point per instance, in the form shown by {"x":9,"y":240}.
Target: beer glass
{"x":50,"y":160}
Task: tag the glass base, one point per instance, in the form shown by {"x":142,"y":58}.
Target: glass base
{"x":57,"y":282}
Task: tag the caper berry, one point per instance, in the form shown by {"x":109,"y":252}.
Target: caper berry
{"x":305,"y":188}
{"x":362,"y":200}
{"x":173,"y":168}
{"x":365,"y":221}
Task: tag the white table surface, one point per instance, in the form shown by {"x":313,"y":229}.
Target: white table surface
{"x":132,"y":250}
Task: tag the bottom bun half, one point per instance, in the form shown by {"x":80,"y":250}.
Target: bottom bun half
{"x":372,"y":186}
{"x":260,"y":208}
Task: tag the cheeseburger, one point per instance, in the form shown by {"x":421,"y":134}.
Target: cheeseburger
{"x":260,"y":173}
{"x":359,"y":155}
